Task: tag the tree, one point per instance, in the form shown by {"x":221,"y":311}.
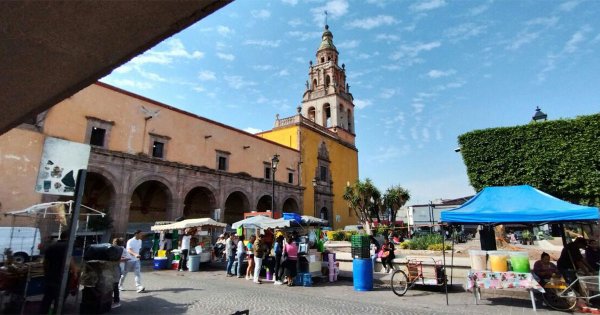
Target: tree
{"x":362,"y":197}
{"x":395,"y":197}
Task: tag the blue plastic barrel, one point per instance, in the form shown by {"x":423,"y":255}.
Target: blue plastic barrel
{"x":362,"y":274}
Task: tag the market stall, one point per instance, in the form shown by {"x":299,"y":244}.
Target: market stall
{"x":206,"y":227}
{"x":511,"y":204}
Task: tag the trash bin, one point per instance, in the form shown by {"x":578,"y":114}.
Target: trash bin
{"x":362,"y":274}
{"x":193,"y":263}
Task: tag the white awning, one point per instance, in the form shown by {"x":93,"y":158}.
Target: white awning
{"x":199,"y":222}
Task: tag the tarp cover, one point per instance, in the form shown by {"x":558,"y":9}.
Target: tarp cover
{"x":517,"y":204}
{"x":199,"y":222}
{"x":261,"y":222}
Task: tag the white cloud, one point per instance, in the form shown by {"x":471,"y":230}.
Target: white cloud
{"x":427,"y":5}
{"x":295,"y":22}
{"x":199,"y":88}
{"x":252,"y":130}
{"x":572,"y":45}
{"x":425,"y":134}
{"x":283,"y":73}
{"x":387,"y":37}
{"x":151,"y":76}
{"x":479,"y":9}
{"x":261,"y":14}
{"x":440,"y":73}
{"x":464,"y":31}
{"x":348,"y":44}
{"x":123,"y":69}
{"x":262,"y":42}
{"x":261,"y":100}
{"x":263,"y":67}
{"x":237,"y":82}
{"x":418,"y":107}
{"x":360,"y":104}
{"x":568,"y":5}
{"x":132,"y":83}
{"x":228,"y":57}
{"x":303,"y":36}
{"x":372,"y":22}
{"x":387,"y":153}
{"x":206,"y":75}
{"x":410,"y":52}
{"x":176,"y":50}
{"x":543,"y":21}
{"x":522,"y":39}
{"x":224,"y":30}
{"x":387,"y":93}
{"x":334,"y":8}
{"x":533,"y":29}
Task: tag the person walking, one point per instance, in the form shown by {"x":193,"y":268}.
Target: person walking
{"x":250,"y":251}
{"x":259,"y":253}
{"x":184,"y":244}
{"x":134,"y":245}
{"x":229,"y":252}
{"x":118,"y":270}
{"x":290,"y":252}
{"x":278,"y":249}
{"x":241,"y":252}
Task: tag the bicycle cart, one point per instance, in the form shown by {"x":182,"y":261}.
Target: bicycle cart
{"x":561,"y":297}
{"x":405,"y":278}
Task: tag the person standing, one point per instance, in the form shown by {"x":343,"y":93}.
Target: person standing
{"x":54,"y":262}
{"x":184,"y":244}
{"x":229,"y":253}
{"x":134,"y":245}
{"x":250,"y":257}
{"x":278,"y":249}
{"x":241,"y":252}
{"x":290,"y":252}
{"x":118,"y":270}
{"x":259,"y":253}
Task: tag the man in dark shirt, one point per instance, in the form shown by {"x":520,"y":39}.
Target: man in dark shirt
{"x":54,"y":262}
{"x":572,"y":261}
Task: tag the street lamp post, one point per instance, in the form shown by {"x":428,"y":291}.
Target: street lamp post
{"x":314,"y":182}
{"x":274,"y":162}
{"x":539,"y":115}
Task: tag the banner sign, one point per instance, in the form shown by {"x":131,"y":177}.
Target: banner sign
{"x":61,"y":160}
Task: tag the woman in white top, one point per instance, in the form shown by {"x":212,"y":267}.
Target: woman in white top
{"x":240,"y":254}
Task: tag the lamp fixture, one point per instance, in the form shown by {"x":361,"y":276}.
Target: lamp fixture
{"x":539,"y":115}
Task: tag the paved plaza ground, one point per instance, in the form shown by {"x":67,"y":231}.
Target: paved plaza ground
{"x":210,"y":292}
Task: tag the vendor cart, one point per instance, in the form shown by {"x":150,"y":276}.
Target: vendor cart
{"x":413,"y":274}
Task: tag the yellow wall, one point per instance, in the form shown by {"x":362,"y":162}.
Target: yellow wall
{"x":344,"y":167}
{"x":187,"y":132}
{"x":20,"y":152}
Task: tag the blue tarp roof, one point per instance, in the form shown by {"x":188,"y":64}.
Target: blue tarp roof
{"x":517,"y":204}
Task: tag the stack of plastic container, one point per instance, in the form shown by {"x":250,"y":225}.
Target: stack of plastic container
{"x":332,"y":267}
{"x":361,"y":246}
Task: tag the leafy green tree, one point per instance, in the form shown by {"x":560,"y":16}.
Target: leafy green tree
{"x":362,"y":197}
{"x":394,"y":198}
{"x":559,"y":157}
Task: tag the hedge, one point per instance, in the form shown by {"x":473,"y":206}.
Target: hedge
{"x":559,"y":157}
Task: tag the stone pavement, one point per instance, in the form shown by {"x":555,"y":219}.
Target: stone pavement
{"x":210,"y":292}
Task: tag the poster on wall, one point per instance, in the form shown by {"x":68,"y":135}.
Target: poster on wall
{"x":61,"y":160}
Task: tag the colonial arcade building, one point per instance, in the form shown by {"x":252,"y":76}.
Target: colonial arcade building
{"x":152,"y":162}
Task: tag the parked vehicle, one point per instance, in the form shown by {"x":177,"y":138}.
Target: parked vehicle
{"x":24,"y":242}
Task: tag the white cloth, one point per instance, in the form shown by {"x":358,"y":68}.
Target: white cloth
{"x":185,"y":242}
{"x":241,"y":249}
{"x":135,"y":246}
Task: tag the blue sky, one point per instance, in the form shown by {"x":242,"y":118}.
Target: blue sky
{"x":421,"y":72}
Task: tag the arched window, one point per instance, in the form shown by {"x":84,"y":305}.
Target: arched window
{"x":311,"y":114}
{"x":314,"y":85}
{"x":349,"y":116}
{"x":327,"y":80}
{"x":322,"y":59}
{"x":326,"y":115}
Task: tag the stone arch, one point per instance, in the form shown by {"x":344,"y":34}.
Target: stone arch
{"x":312,"y":113}
{"x":153,"y":177}
{"x":264,"y":203}
{"x":236,"y":204}
{"x":291,"y":205}
{"x":199,"y":202}
{"x":150,"y":201}
{"x":326,"y":119}
{"x":99,"y":192}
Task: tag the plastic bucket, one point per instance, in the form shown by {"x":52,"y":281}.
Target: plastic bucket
{"x":498,"y":261}
{"x":362,"y":274}
{"x":160,"y":263}
{"x":519,"y":262}
{"x":193,"y":263}
{"x":478,"y":259}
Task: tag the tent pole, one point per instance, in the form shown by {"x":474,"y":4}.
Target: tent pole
{"x":562,"y":234}
{"x":452,"y":259}
{"x":444,"y":263}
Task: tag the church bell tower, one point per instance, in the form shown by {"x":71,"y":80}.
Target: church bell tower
{"x":327,"y":100}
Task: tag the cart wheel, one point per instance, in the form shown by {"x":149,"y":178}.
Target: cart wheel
{"x":399,"y":282}
{"x":560,"y":303}
{"x":20,"y":258}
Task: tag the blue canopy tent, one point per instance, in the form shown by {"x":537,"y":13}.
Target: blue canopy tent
{"x":515,"y":204}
